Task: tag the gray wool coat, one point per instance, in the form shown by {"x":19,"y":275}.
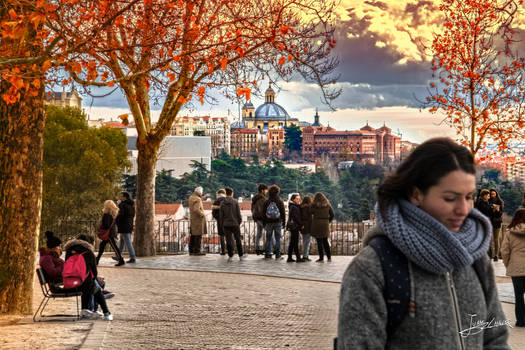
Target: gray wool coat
{"x":363,"y":313}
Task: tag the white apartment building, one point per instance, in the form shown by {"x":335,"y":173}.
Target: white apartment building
{"x":217,"y":128}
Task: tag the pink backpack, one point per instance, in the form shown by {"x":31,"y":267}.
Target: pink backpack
{"x":74,"y":272}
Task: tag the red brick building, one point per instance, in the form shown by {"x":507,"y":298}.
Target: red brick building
{"x":367,"y":144}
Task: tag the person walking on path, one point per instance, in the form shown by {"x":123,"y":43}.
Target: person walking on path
{"x":322,"y":215}
{"x":258,"y":216}
{"x":274,"y":219}
{"x":221,"y":195}
{"x":496,"y":203}
{"x":513,"y":255}
{"x":294,"y":225}
{"x":125,"y":217}
{"x":306,"y":219}
{"x":423,"y":279}
{"x":197,"y":222}
{"x":89,"y":288}
{"x":108,"y":222}
{"x":230,"y":217}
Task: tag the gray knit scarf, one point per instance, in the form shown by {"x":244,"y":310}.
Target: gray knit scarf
{"x":428,"y":243}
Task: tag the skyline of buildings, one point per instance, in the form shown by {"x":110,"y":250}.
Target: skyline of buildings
{"x":261,"y":132}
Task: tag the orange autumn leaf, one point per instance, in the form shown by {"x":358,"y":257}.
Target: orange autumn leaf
{"x":224,"y":62}
{"x":282,"y":60}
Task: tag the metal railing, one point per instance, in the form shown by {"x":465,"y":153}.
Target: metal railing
{"x":173,"y":237}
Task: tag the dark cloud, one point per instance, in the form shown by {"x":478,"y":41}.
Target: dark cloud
{"x":363,"y":61}
{"x":417,"y":12}
{"x":379,"y":4}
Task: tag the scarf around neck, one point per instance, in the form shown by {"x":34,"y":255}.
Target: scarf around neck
{"x":428,"y":243}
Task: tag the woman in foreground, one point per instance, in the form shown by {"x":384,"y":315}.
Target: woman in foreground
{"x":424,"y":280}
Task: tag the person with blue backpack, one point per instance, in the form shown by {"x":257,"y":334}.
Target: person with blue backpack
{"x":424,"y":279}
{"x":274,"y":219}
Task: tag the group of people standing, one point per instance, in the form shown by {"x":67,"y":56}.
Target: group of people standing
{"x":491,"y":205}
{"x":310,"y":218}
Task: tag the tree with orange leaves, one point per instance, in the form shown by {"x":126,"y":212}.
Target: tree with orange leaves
{"x":479,"y":77}
{"x":29,"y":48}
{"x":177,"y":51}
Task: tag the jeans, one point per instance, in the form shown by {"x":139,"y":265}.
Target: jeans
{"x":322,"y":244}
{"x":519,"y":307}
{"x":273,"y":228}
{"x":259,"y":235}
{"x":294,"y":244}
{"x":126,"y":238}
{"x":306,"y":244}
{"x":90,"y":291}
{"x":93,"y":306}
{"x":231,"y":233}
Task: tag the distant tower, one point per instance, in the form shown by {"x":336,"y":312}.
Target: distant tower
{"x":248,"y":111}
{"x":269,"y":95}
{"x":316,"y":119}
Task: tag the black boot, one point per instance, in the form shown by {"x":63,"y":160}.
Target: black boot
{"x":121,"y":262}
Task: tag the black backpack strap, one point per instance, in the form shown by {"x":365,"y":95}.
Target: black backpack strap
{"x":479,"y":267}
{"x":397,"y":281}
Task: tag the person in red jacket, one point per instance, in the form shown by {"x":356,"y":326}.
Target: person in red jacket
{"x":50,"y":261}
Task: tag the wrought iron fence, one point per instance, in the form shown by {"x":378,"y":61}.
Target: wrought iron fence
{"x":173,"y":237}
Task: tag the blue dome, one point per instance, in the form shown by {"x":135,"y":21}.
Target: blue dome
{"x":271,"y":111}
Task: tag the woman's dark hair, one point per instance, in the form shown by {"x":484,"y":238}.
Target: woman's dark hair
{"x":261,"y":187}
{"x":126,"y":195}
{"x":307,"y":200}
{"x":483,"y":193}
{"x":424,"y":168}
{"x":518,"y":218}
{"x":320,"y":200}
{"x":273,"y":191}
{"x":498,"y":198}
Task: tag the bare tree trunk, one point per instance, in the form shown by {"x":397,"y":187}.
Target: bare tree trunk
{"x":145,"y":201}
{"x":21,"y":157}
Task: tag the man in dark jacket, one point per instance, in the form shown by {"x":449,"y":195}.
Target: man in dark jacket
{"x":258,"y":215}
{"x":221,"y":195}
{"x":230,"y":217}
{"x":124,"y":222}
{"x":294,"y":225}
{"x":274,"y":220}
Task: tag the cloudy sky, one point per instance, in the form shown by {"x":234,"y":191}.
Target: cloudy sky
{"x":384,"y":71}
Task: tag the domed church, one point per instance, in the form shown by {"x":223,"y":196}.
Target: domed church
{"x":268,"y":115}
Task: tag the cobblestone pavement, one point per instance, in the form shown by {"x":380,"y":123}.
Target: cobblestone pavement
{"x":159,"y":308}
{"x":256,"y":265}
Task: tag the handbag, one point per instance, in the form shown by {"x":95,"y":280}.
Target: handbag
{"x":103,"y":234}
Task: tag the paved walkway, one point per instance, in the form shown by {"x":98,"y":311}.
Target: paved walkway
{"x":254,"y":265}
{"x":178,"y":302}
